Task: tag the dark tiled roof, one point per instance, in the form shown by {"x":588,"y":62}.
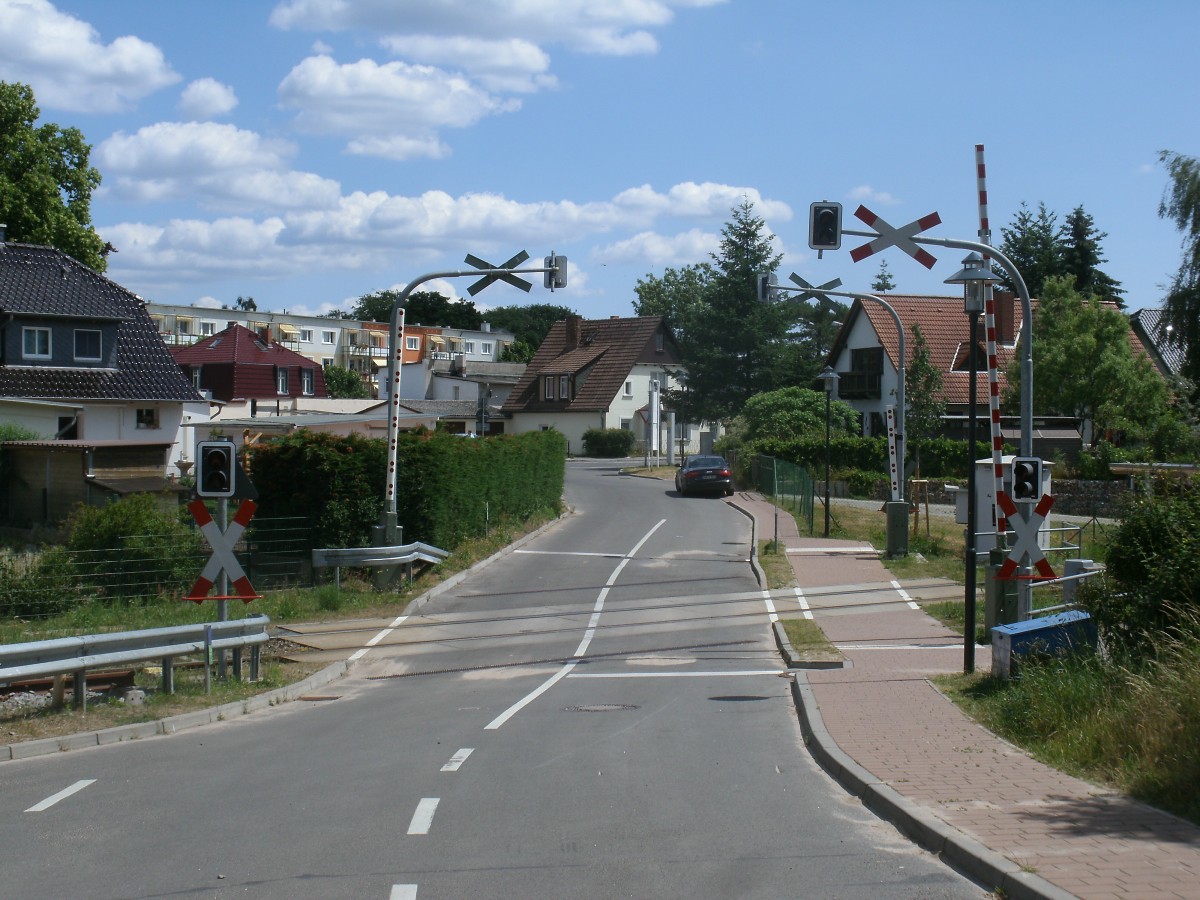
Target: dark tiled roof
{"x":44,"y":282}
{"x":1152,"y":327}
{"x":600,"y":353}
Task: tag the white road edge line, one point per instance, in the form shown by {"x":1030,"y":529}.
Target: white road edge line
{"x":456,"y":761}
{"x":360,"y":653}
{"x":770,"y":604}
{"x":904,"y":596}
{"x":61,"y":795}
{"x":403,"y":892}
{"x":803,"y":601}
{"x":422,"y":819}
{"x":530,"y":697}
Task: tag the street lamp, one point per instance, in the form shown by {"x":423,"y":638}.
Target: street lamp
{"x":829,"y":379}
{"x":977,"y":280}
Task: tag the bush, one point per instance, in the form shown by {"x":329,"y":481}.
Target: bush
{"x":609,"y":443}
{"x":1151,"y":586}
{"x":134,"y":547}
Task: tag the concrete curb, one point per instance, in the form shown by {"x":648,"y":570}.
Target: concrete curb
{"x":962,"y":852}
{"x":285,"y":694}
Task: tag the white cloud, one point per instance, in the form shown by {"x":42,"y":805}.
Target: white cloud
{"x":512,"y":65}
{"x":205,"y":98}
{"x":864,"y":193}
{"x":68,"y":65}
{"x":661,"y":250}
{"x":690,"y":199}
{"x":614,"y":28}
{"x":394,"y":108}
{"x":219,"y":165}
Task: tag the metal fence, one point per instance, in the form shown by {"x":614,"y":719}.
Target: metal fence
{"x":39,"y":584}
{"x":786,"y":484}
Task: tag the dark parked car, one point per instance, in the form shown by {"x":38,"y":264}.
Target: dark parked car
{"x":704,"y":473}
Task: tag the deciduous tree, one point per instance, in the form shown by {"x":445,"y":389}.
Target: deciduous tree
{"x":1181,"y":205}
{"x":46,"y":181}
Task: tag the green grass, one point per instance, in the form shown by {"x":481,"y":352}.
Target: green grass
{"x":809,"y":641}
{"x":1134,"y":727}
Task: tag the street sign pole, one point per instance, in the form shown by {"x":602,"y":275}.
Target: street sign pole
{"x":396,"y":348}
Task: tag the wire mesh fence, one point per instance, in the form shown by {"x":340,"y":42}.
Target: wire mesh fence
{"x":144,"y":568}
{"x":788,"y":485}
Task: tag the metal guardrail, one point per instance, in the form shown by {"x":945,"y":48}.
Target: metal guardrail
{"x":361,"y":557}
{"x":75,"y":655}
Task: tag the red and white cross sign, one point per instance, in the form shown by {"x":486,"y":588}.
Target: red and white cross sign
{"x":901,"y":237}
{"x":1027,"y":534}
{"x":222,"y":558}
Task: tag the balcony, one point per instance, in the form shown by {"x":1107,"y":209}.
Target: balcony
{"x":859,"y":385}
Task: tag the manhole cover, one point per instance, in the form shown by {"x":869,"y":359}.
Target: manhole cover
{"x":599,"y":707}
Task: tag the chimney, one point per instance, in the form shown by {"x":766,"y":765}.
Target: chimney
{"x":574,"y":331}
{"x":1004,"y":303}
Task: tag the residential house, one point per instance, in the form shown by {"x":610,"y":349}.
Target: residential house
{"x":81,"y":364}
{"x":597,"y":373}
{"x":866,"y":351}
{"x":249,"y":375}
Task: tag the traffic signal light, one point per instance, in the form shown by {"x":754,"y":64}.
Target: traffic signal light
{"x":1026,"y":478}
{"x":557,"y":278}
{"x":766,"y":287}
{"x":216,"y":469}
{"x":825,"y":226}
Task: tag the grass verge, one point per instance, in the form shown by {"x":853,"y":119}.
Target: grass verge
{"x":324,"y":603}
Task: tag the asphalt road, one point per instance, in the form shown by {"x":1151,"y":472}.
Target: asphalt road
{"x":596,"y":715}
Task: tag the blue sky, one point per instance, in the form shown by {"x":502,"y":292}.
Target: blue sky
{"x":307,"y":152}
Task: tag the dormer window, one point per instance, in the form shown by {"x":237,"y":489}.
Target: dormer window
{"x":87,"y":345}
{"x":35,"y":343}
{"x":548,"y":387}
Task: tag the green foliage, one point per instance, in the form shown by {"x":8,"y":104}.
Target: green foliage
{"x":45,"y":586}
{"x":447,"y":488}
{"x":923,"y":395}
{"x":133,"y":547}
{"x":46,"y":182}
{"x":528,"y":324}
{"x":1084,"y":366}
{"x":336,"y":481}
{"x":943,"y":457}
{"x":883,"y":283}
{"x":608,"y":443}
{"x":1043,"y":250}
{"x":1151,"y":586}
{"x":421,"y":308}
{"x":792,"y":413}
{"x":343,"y":384}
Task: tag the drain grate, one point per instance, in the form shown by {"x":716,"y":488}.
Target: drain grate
{"x":599,"y":707}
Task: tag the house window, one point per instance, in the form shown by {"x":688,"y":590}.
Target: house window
{"x":628,"y":389}
{"x":208,"y":329}
{"x":147,"y":418}
{"x":35,"y":343}
{"x":468,"y":346}
{"x":485,"y":348}
{"x":328,"y":337}
{"x":326,"y":362}
{"x":564,"y":387}
{"x":87,"y":345}
{"x":306,"y":381}
{"x":627,"y":425}
{"x":306,"y":335}
{"x":196,"y":377}
{"x":548,"y":387}
{"x":454,"y":392}
{"x":412,"y":343}
{"x":660,"y":341}
{"x":281,"y":381}
{"x":184,"y":326}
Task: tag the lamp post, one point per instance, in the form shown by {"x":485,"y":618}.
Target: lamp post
{"x":976,"y":279}
{"x":829,"y":378}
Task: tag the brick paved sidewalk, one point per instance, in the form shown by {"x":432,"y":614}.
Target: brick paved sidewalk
{"x":906,"y":749}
